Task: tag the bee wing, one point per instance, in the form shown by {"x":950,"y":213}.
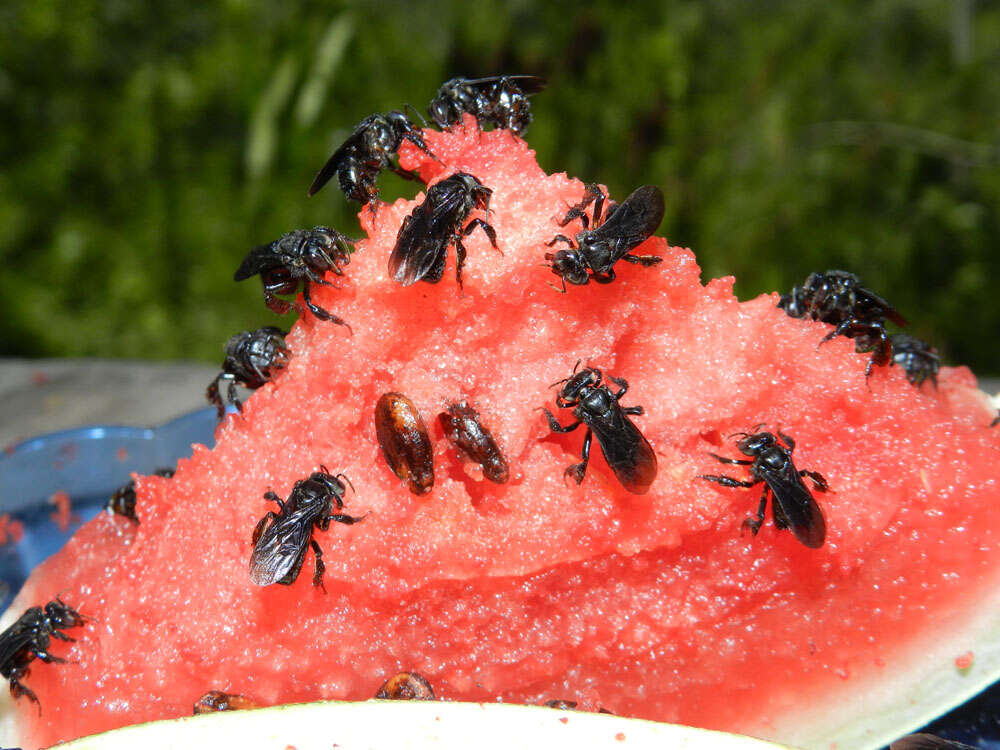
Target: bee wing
{"x":634,"y":220}
{"x":279,"y":550}
{"x":525,"y":84}
{"x":795,"y":505}
{"x":332,"y":165}
{"x":627,"y":452}
{"x":424,"y":236}
{"x":261,"y":258}
{"x":13,"y":643}
{"x":927,"y":742}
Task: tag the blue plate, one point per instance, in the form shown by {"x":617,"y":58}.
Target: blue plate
{"x":89,"y":463}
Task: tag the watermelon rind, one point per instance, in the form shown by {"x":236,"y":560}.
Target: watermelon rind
{"x":418,"y":724}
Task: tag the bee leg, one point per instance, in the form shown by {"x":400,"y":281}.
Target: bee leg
{"x":559,"y":238}
{"x":578,"y":211}
{"x":754,"y":524}
{"x":577,"y":471}
{"x":233,"y":396}
{"x":818,"y":480}
{"x":344,"y":518}
{"x":17,"y":689}
{"x":62,"y":636}
{"x":556,"y":427}
{"x":460,"y":254}
{"x":635,"y":410}
{"x":272,"y":497}
{"x":643,"y":260}
{"x":320,"y":313}
{"x":622,"y":383}
{"x":212,"y":394}
{"x":320,"y":567}
{"x":259,"y":529}
{"x":276,"y":305}
{"x":406,"y":174}
{"x":491,"y":233}
{"x":788,"y":440}
{"x":735,"y":461}
{"x":47,"y":657}
{"x":724,"y":480}
{"x":604,"y":278}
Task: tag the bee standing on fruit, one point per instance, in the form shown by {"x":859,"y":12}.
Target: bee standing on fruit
{"x":280,"y":539}
{"x":298,"y":258}
{"x":917,"y":358}
{"x":29,"y":638}
{"x":367,"y":151}
{"x":435,"y":225}
{"x":122,"y":501}
{"x":793,"y":506}
{"x":607,"y":239}
{"x":252,"y":359}
{"x":501,"y":101}
{"x":837,"y":298}
{"x":625,"y":448}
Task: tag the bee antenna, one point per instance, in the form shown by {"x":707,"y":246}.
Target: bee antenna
{"x":348,"y":482}
{"x":413,"y":109}
{"x":323,"y":468}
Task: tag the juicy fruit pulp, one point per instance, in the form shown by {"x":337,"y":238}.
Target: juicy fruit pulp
{"x":652,"y":606}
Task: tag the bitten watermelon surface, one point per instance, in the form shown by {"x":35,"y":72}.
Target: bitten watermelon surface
{"x":652,"y":606}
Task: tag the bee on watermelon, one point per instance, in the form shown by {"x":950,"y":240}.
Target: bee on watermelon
{"x":500,"y":101}
{"x":298,"y":258}
{"x":216,"y":700}
{"x":406,"y":686}
{"x":837,"y":298}
{"x":918,"y":359}
{"x":280,"y":539}
{"x":625,"y":448}
{"x":404,"y":441}
{"x":252,"y":359}
{"x":463,"y":428}
{"x":793,"y":506}
{"x":927,"y":742}
{"x":122,"y":500}
{"x":29,"y":638}
{"x":366,"y":152}
{"x":608,"y":238}
{"x":435,"y":225}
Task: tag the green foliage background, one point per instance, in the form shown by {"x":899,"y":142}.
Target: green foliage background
{"x":146,"y":147}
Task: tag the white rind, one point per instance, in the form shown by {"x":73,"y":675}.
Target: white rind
{"x":425,"y":725}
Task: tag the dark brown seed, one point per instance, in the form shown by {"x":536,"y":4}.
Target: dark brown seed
{"x":406,"y":686}
{"x":216,"y":700}
{"x":404,"y":441}
{"x":462,"y":427}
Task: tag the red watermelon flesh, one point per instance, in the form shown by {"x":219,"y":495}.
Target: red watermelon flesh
{"x":652,"y":606}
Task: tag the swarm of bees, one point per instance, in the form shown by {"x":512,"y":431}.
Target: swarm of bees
{"x":454,"y":207}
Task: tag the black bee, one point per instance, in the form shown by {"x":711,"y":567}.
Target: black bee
{"x":29,"y":637}
{"x":605,"y":241}
{"x":280,"y":539}
{"x":501,"y":101}
{"x":299,"y":257}
{"x":252,"y":359}
{"x":122,"y":501}
{"x":927,"y":742}
{"x":436,"y":224}
{"x":918,"y":359}
{"x":837,"y":297}
{"x":794,"y":506}
{"x":367,"y":151}
{"x":626,"y":450}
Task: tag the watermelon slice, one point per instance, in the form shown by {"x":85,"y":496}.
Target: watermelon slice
{"x":652,"y":606}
